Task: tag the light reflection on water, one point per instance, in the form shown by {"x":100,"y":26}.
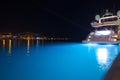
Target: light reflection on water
{"x":28,"y":46}
{"x":40,"y":60}
{"x":104,"y":57}
{"x":9,"y":47}
{"x":3,"y":43}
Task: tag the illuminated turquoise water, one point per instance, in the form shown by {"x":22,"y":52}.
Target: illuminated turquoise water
{"x":38,"y":60}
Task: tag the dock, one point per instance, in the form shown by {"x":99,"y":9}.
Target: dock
{"x":114,"y":71}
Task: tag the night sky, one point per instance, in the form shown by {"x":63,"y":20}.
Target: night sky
{"x":70,"y":18}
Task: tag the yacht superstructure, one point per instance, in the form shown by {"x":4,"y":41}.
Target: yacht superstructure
{"x":107,"y":28}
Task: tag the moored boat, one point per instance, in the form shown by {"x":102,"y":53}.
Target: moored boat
{"x":107,"y":29}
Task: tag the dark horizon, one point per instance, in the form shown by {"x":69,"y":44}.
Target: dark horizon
{"x":63,"y":17}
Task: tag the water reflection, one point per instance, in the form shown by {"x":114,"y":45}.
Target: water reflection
{"x":105,"y":55}
{"x":28,"y":46}
{"x":3,"y":43}
{"x":9,"y":46}
{"x":57,"y":61}
{"x":102,"y":55}
{"x":37,"y":43}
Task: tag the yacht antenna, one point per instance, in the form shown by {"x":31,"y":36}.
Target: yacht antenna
{"x":114,"y":8}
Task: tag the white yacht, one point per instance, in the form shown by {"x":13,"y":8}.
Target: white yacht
{"x":107,"y":29}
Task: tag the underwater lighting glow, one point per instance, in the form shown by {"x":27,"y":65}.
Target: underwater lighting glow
{"x":91,"y":44}
{"x":102,"y":33}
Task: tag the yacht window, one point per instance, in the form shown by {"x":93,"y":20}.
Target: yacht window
{"x":109,"y":19}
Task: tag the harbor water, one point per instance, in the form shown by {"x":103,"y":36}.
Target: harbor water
{"x":41,"y":60}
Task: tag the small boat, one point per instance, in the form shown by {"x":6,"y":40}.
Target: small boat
{"x":107,"y":29}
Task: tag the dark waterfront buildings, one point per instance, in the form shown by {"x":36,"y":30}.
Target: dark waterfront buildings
{"x":28,"y":35}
